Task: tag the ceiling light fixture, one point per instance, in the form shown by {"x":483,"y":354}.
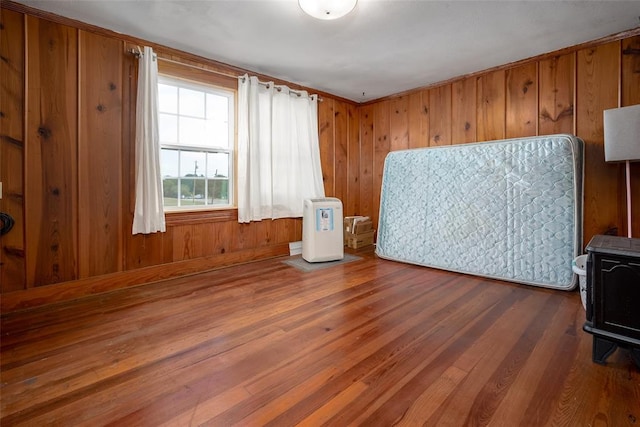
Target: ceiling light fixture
{"x":327,"y":9}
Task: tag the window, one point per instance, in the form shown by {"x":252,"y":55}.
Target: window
{"x":197,"y":144}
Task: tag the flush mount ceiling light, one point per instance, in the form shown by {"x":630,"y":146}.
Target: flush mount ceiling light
{"x":327,"y":9}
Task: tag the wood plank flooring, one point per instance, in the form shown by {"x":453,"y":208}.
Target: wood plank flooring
{"x":371,"y":342}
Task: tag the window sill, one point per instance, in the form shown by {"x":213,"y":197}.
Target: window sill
{"x":200,"y":216}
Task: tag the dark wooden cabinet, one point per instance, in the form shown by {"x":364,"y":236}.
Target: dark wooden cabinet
{"x":613,"y":296}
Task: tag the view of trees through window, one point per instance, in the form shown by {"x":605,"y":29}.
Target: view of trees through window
{"x":196,"y":136}
{"x":197,"y":181}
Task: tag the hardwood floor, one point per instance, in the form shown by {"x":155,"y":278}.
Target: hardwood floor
{"x":371,"y":342}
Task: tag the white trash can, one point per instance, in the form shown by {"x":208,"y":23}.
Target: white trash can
{"x":579,"y":266}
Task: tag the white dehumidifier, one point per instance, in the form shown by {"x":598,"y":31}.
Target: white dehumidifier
{"x":322,"y":238}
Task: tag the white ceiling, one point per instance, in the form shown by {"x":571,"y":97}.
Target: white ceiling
{"x":381,"y":48}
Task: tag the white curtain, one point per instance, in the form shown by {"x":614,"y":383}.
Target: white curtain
{"x":148,"y":216}
{"x":278,"y":150}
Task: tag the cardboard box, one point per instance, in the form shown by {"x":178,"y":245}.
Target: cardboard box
{"x":351,"y":221}
{"x":361,"y":227}
{"x":357,"y":224}
{"x":357,"y":241}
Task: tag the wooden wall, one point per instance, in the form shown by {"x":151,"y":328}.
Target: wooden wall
{"x":12,"y":256}
{"x":562,"y":93}
{"x":67,"y":99}
{"x":68,"y":104}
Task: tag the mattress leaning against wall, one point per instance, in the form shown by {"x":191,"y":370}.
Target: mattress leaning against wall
{"x":508,"y":209}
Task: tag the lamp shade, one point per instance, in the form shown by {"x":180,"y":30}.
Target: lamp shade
{"x":622,"y":134}
{"x":327,"y":9}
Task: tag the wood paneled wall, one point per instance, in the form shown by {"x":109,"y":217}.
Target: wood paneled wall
{"x":66,"y":153}
{"x":12,"y":256}
{"x":72,"y":90}
{"x":565,"y":93}
{"x":51,"y":153}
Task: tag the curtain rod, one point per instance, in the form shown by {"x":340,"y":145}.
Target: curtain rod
{"x":138,"y":54}
{"x":279,"y":87}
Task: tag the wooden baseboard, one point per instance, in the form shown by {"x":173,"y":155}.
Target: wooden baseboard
{"x":44,"y":295}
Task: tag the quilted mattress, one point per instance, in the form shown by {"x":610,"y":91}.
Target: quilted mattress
{"x":509,"y":209}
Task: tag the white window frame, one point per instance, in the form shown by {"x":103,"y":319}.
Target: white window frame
{"x":229,"y":150}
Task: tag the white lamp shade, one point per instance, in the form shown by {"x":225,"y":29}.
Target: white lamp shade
{"x":622,"y":134}
{"x":327,"y":9}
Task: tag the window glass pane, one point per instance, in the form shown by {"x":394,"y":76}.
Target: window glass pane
{"x":193,"y":132}
{"x":168,"y":128}
{"x":169,"y":163}
{"x":192,"y":163}
{"x":191,"y":103}
{"x":199,"y":196}
{"x":217,"y":107}
{"x":217,"y":165}
{"x":186,"y":190}
{"x":218,"y":191}
{"x":167,"y":98}
{"x":170,"y":188}
{"x":218,"y":133}
{"x":192,"y":191}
